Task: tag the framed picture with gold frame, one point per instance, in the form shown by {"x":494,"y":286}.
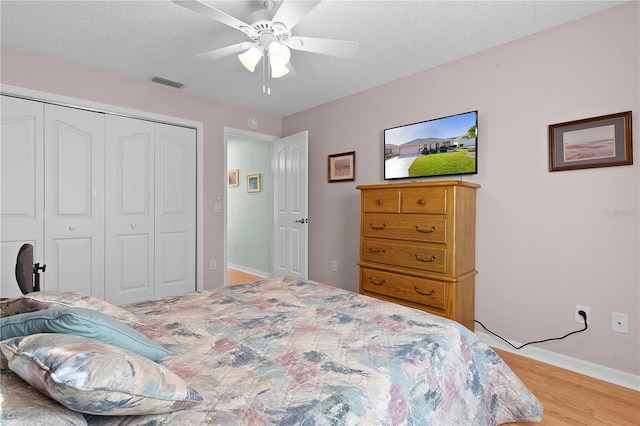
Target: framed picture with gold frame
{"x":253,"y":183}
{"x":232,"y":177}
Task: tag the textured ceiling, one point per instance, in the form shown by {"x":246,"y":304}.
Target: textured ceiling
{"x":142,"y":39}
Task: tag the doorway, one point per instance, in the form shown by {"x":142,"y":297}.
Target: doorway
{"x":264,"y":175}
{"x":248,"y":218}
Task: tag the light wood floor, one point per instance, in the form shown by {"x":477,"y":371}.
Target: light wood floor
{"x":237,"y":277}
{"x":574,"y":399}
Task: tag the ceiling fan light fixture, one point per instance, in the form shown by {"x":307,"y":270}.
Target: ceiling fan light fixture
{"x":250,"y":58}
{"x":279,"y":54}
{"x":278,"y":70}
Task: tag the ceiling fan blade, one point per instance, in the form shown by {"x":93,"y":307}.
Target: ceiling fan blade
{"x":325,"y":46}
{"x":292,"y":12}
{"x":216,"y":14}
{"x":225,"y":51}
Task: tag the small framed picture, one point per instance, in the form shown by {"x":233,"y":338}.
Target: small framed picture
{"x":232,"y":177}
{"x":592,"y":142}
{"x":253,"y":183}
{"x":342,"y":167}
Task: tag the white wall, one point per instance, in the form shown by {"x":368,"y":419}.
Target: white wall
{"x":545,"y":241}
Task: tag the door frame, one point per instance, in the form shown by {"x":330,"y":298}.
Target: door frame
{"x":227,"y":133}
{"x":67,"y":101}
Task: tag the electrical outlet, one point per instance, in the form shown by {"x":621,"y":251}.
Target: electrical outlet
{"x":577,"y":316}
{"x":619,"y":322}
{"x":212,"y":264}
{"x":334,"y":265}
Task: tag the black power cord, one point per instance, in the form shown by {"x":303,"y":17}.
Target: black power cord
{"x":582,"y":313}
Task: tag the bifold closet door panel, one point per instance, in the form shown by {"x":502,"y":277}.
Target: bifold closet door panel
{"x":21,"y":186}
{"x":175,"y":210}
{"x":130,"y":210}
{"x":74,"y":200}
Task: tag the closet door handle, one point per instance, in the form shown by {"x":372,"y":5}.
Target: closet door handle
{"x":425,"y":231}
{"x":381,"y":282}
{"x":431,"y":259}
{"x":372,"y":226}
{"x":417,"y":289}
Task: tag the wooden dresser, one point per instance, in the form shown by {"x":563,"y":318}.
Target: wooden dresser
{"x":417,"y":246}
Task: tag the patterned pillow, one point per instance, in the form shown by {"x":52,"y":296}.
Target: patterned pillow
{"x":92,"y":377}
{"x":23,"y":405}
{"x":39,"y":300}
{"x":81,"y":322}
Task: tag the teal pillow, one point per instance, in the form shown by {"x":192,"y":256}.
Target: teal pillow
{"x":81,"y":322}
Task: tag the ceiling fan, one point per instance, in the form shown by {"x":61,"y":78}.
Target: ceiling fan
{"x":271,"y":37}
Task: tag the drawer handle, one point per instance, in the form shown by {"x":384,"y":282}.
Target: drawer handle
{"x":375,"y":250}
{"x":431,"y":259}
{"x":372,"y":226}
{"x":421,"y":202}
{"x":382,"y":281}
{"x":417,"y":289}
{"x":379,"y":202}
{"x":425,"y":231}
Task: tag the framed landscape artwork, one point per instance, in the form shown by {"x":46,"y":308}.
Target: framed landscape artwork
{"x":592,"y":142}
{"x":342,"y":167}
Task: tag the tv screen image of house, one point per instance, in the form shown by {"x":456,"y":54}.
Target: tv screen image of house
{"x":439,"y":147}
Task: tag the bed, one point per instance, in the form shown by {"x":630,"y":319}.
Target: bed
{"x":296,"y":352}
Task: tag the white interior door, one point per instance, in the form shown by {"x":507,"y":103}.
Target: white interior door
{"x":74,"y":200}
{"x":130,"y":210}
{"x":21,"y":186}
{"x":175,"y":210}
{"x":290,"y":176}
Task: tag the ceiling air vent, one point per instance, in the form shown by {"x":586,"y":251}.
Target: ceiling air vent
{"x":166,"y":82}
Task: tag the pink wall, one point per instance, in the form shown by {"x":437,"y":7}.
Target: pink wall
{"x":37,"y":73}
{"x":545,"y":241}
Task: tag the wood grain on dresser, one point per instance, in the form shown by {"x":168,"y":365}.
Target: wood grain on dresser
{"x":417,"y":246}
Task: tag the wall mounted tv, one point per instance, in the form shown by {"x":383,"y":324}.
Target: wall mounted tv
{"x":439,"y":147}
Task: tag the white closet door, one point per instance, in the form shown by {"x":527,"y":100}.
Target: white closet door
{"x":130,"y":231}
{"x":74,"y":200}
{"x":21,"y":191}
{"x":175,"y":210}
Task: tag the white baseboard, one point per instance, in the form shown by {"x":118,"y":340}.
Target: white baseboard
{"x":617,"y":377}
{"x":244,"y":269}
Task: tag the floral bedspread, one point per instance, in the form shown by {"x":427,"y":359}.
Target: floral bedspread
{"x":292,"y":352}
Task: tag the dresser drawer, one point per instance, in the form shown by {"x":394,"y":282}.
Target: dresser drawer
{"x":416,"y":256}
{"x":418,"y":290}
{"x":424,"y":200}
{"x":412,"y":227}
{"x":381,"y":201}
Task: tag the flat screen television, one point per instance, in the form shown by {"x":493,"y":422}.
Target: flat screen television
{"x":439,"y":147}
